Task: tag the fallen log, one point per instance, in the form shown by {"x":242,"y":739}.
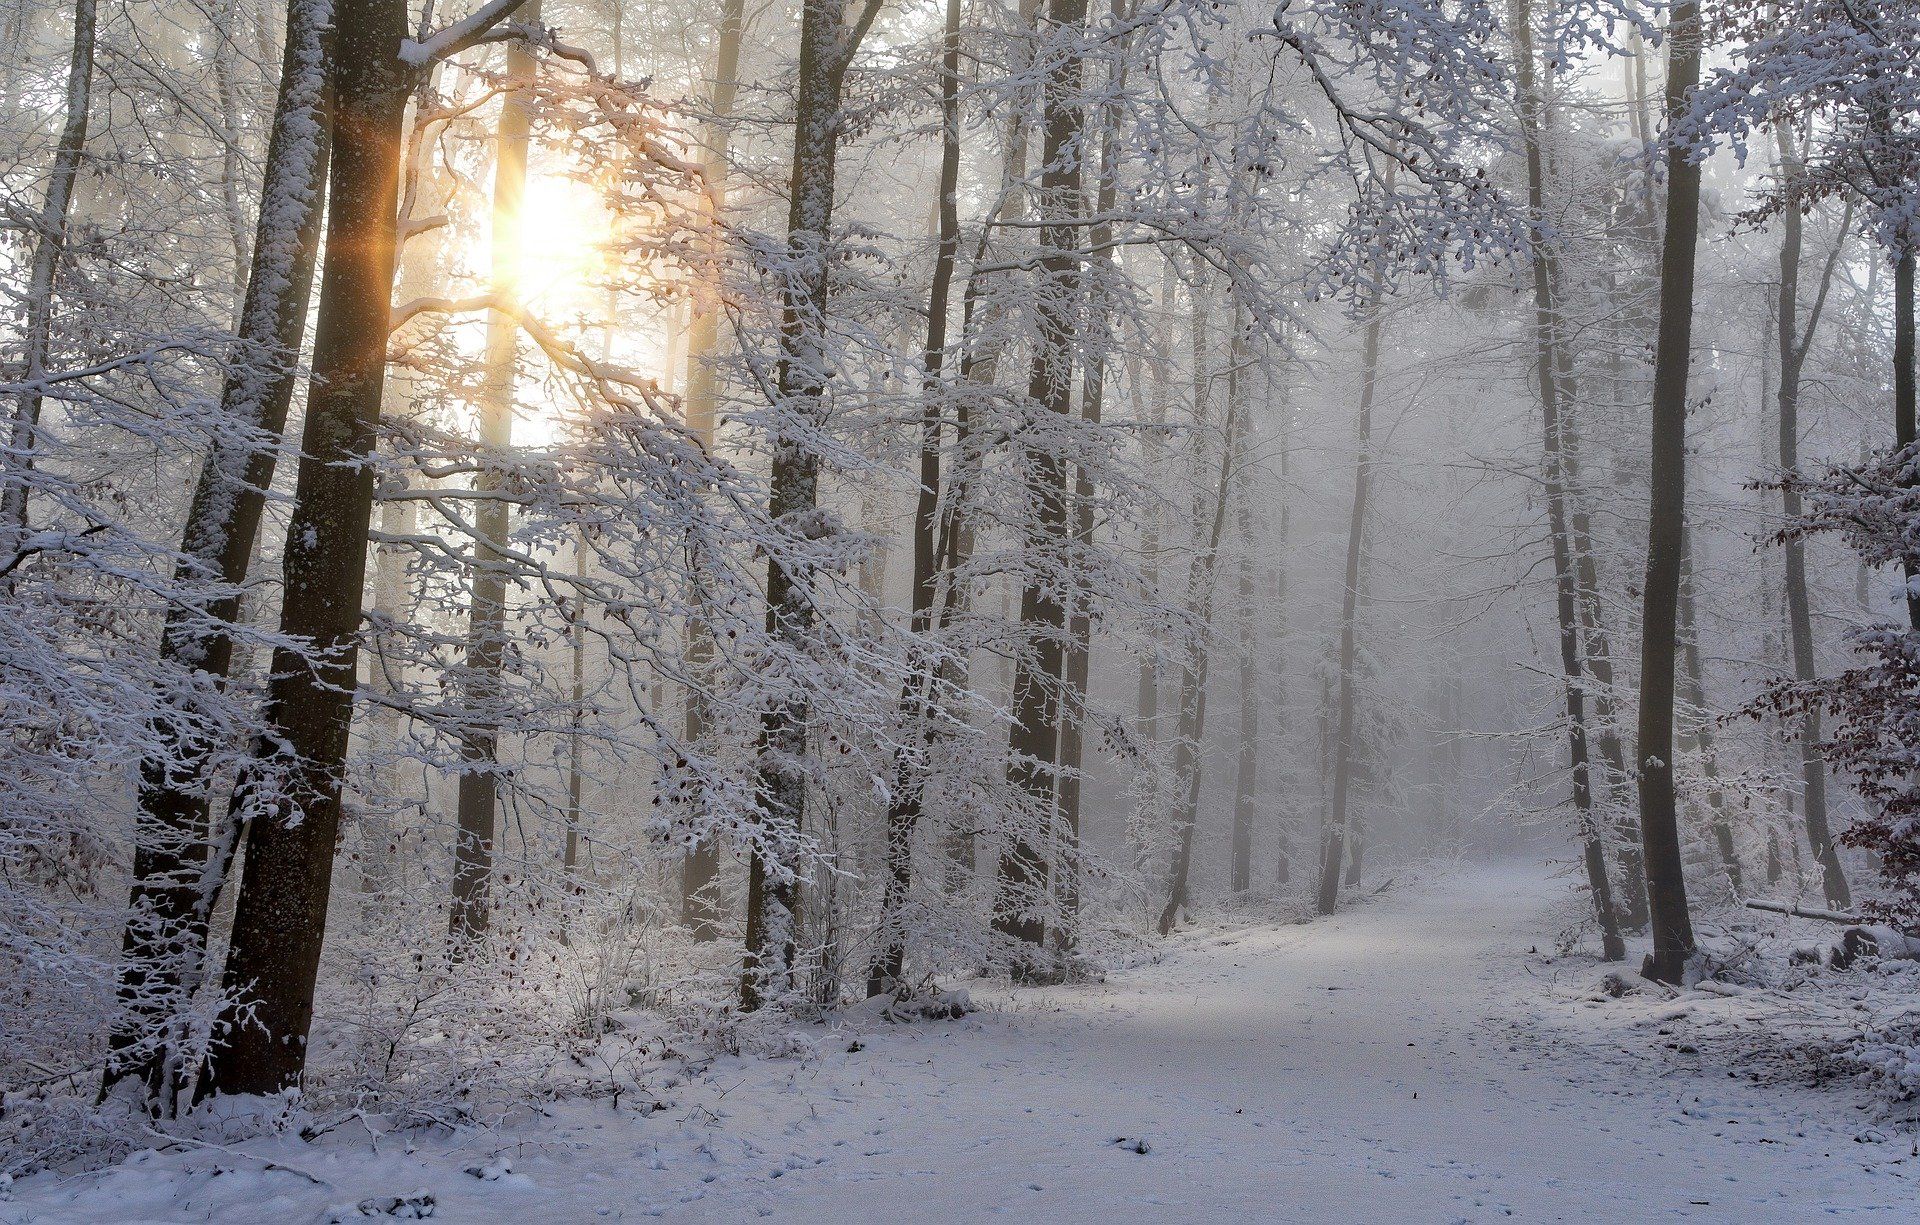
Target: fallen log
{"x":1861,"y":939}
{"x":1804,"y":912}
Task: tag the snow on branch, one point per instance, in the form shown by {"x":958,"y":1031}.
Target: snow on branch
{"x":453,"y":39}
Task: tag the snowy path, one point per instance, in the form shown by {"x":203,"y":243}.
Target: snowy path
{"x":1365,"y":1068}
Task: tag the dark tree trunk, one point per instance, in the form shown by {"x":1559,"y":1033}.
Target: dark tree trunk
{"x":1547,"y":370}
{"x":1024,"y":883}
{"x":1202,"y":580}
{"x":164,"y":947}
{"x":291,"y":795}
{"x":1903,"y":386}
{"x":1659,"y":823}
{"x":1598,"y":654}
{"x":827,"y":46}
{"x":1333,"y":849}
{"x":909,"y":776}
{"x":1093,"y":389}
{"x":1793,"y":352}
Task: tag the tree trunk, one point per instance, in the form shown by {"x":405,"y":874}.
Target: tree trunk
{"x":1334,"y":840}
{"x":1696,"y":732}
{"x":1597,"y":641}
{"x":291,"y":793}
{"x":1024,"y":880}
{"x":827,"y":46}
{"x":1547,"y":365}
{"x":478,"y":798}
{"x":386,"y":847}
{"x":700,"y":908}
{"x":50,"y":244}
{"x":164,"y":946}
{"x":1283,"y":851}
{"x":1903,"y":387}
{"x":1201,"y":581}
{"x":1093,"y":387}
{"x":1666,"y":518}
{"x":910,"y":776}
{"x":1793,"y":351}
{"x":1147,"y":691}
{"x":576,"y":717}
{"x":1245,"y":781}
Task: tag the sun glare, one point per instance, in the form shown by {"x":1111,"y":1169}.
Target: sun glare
{"x":559,"y":246}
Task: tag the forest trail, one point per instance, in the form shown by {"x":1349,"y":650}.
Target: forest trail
{"x":1404,"y":1061}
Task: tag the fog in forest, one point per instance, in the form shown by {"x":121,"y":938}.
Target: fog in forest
{"x":869,"y":609}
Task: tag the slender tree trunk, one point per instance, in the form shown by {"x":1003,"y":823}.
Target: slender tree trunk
{"x":49,"y":245}
{"x":1024,"y":879}
{"x":910,"y":776}
{"x":700,"y":909}
{"x":1597,"y":641}
{"x":225,"y":21}
{"x":1283,"y":851}
{"x":1245,"y":783}
{"x":1618,"y":816}
{"x":1356,"y":836}
{"x":1093,"y":387}
{"x":387,"y":847}
{"x":1903,"y":388}
{"x":377,"y":834}
{"x":1202,"y":579}
{"x":164,"y":946}
{"x":1147,"y":692}
{"x":1334,"y":840}
{"x":576,"y":718}
{"x":827,"y":46}
{"x":478,"y":794}
{"x":291,"y":793}
{"x":1793,"y":351}
{"x":1598,"y":654}
{"x":1696,"y":732}
{"x":1547,"y":341}
{"x":1365,"y":759}
{"x":1659,"y":823}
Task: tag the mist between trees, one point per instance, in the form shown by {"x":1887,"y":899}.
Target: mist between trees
{"x":537,"y":509}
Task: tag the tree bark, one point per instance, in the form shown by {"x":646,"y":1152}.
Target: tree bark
{"x":700,"y":909}
{"x":478,"y":793}
{"x":1202,"y":577}
{"x":1283,"y":851}
{"x":1246,"y":778}
{"x":1903,"y":387}
{"x":50,"y":244}
{"x":1024,"y":879}
{"x":1547,"y":361}
{"x":1659,"y":824}
{"x":910,"y":776}
{"x":827,"y":46}
{"x":164,"y":946}
{"x":1145,"y":817}
{"x":1696,"y":732}
{"x":1093,"y":387}
{"x":290,"y":795}
{"x":1334,"y":840}
{"x":1793,"y":352}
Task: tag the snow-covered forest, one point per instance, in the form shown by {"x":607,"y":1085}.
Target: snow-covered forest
{"x":891,"y":609}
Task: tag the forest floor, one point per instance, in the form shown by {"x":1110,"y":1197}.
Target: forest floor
{"x":1423,"y":1057}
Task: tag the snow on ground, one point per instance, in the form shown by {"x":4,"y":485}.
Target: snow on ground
{"x":1423,"y":1057}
